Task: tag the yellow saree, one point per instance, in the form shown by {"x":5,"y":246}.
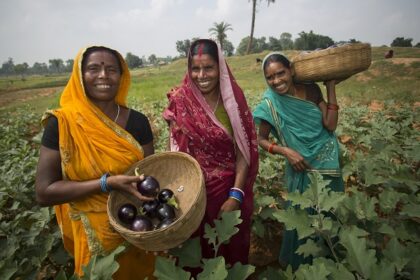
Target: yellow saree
{"x":90,"y":145}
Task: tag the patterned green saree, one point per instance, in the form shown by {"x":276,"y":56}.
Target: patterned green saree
{"x":297,"y":124}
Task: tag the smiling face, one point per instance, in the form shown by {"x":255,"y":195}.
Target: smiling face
{"x":278,"y":76}
{"x":205,"y":73}
{"x":101,"y":75}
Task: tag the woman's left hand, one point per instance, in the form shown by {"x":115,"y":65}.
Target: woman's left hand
{"x":229,"y":205}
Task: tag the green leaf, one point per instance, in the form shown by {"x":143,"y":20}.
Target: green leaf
{"x":276,"y":273}
{"x":361,"y":205}
{"x":386,"y":229}
{"x":258,"y":227}
{"x":383,"y":271}
{"x":224,"y":228}
{"x":102,"y":267}
{"x":296,"y":219}
{"x":7,"y":269}
{"x":213,"y":269}
{"x":331,"y":200}
{"x":315,"y":271}
{"x":396,"y":253}
{"x":310,"y":248}
{"x":337,"y":270}
{"x":189,"y":254}
{"x":358,"y":256}
{"x":240,"y":271}
{"x":411,"y":210}
{"x":388,"y":199}
{"x":165,"y":269}
{"x":264,"y":200}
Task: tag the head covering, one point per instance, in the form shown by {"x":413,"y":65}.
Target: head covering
{"x":91,"y":145}
{"x":195,"y":129}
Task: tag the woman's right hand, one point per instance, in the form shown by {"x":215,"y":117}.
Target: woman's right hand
{"x":298,"y":163}
{"x":127,"y":184}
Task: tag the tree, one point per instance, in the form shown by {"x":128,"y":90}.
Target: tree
{"x":312,"y":41}
{"x":39,"y":68}
{"x":56,"y":65}
{"x":8,"y":67}
{"x":152,"y":59}
{"x":286,"y":41}
{"x":258,"y":45}
{"x":254,"y":6}
{"x":183,"y":46}
{"x":21,"y":69}
{"x":219,"y":30}
{"x":133,"y":61}
{"x":69,"y":65}
{"x":274,"y":44}
{"x":228,"y":48}
{"x":417,"y":45}
{"x":402,"y":42}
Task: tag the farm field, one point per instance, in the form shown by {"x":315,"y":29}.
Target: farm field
{"x":377,"y":231}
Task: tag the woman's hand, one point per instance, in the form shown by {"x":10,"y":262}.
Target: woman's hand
{"x":127,"y":184}
{"x":298,"y":163}
{"x":229,"y":205}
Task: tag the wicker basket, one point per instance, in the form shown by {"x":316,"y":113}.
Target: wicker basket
{"x":182,"y":174}
{"x":333,"y":63}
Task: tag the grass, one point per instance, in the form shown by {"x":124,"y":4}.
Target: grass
{"x":386,"y":79}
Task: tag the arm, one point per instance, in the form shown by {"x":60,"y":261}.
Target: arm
{"x":295,"y":159}
{"x":51,"y":189}
{"x":329,"y":116}
{"x":148,"y":149}
{"x":241,"y":174}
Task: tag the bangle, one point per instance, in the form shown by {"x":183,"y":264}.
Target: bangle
{"x":104,"y":186}
{"x":236,"y":195}
{"x":239,"y":190}
{"x":270,"y":148}
{"x":333,"y":107}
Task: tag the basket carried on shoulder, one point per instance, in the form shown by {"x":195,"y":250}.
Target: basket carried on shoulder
{"x":337,"y":63}
{"x":182,"y":174}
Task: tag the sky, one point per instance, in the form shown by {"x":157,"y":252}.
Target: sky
{"x":39,"y":30}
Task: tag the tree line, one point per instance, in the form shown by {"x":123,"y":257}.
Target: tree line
{"x":304,"y":41}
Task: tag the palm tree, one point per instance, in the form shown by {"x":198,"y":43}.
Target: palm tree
{"x":254,"y":6}
{"x":219,"y":30}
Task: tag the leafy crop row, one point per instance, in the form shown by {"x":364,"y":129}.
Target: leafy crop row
{"x":369,"y":232}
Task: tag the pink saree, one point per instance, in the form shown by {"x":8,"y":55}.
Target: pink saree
{"x":194,"y":129}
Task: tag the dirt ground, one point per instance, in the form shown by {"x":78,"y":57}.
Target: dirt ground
{"x":7,"y":98}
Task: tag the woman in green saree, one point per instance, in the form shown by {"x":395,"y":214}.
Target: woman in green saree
{"x":303,"y":124}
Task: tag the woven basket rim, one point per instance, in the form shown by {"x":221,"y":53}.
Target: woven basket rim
{"x":165,"y":155}
{"x":337,"y":50}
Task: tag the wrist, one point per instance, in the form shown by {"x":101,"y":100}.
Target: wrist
{"x":103,"y":182}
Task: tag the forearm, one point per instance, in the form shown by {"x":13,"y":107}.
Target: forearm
{"x":331,"y":116}
{"x":66,"y":191}
{"x":241,"y":172}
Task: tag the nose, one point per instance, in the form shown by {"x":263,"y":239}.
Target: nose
{"x":102,"y":72}
{"x":201,"y":73}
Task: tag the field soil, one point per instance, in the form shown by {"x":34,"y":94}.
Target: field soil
{"x":21,"y":96}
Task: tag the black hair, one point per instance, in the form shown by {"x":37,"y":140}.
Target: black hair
{"x":205,"y":46}
{"x":94,"y":49}
{"x":276,"y":57}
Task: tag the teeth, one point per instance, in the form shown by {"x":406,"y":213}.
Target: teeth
{"x":103,"y":86}
{"x":203,"y":84}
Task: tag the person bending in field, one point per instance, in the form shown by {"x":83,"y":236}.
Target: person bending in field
{"x":303,"y":124}
{"x":91,"y":136}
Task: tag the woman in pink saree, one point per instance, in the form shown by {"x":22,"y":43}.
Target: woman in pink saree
{"x":209,"y":119}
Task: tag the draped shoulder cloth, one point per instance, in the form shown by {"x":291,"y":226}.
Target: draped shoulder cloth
{"x":90,"y":145}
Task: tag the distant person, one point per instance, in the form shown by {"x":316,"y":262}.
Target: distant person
{"x":209,"y":119}
{"x":303,"y":124}
{"x":87,"y":142}
{"x":389,"y":54}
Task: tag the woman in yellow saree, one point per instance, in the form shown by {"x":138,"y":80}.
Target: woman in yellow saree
{"x":87,"y":142}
